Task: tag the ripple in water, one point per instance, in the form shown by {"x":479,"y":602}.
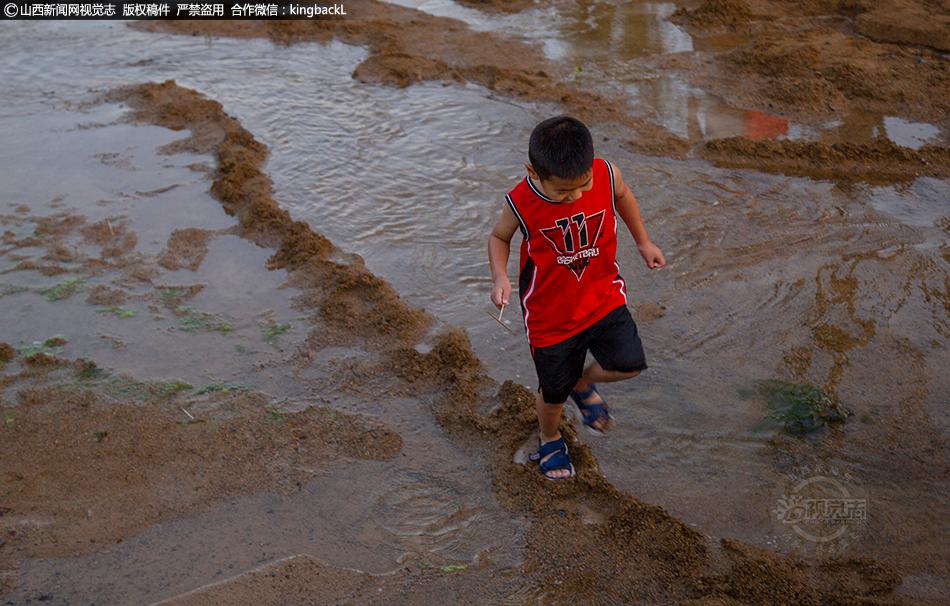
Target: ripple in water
{"x":426,"y":515}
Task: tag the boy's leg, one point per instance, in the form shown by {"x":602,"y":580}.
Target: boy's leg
{"x":549,"y":419}
{"x":558,"y":367}
{"x":618,"y":355}
{"x":595,"y":373}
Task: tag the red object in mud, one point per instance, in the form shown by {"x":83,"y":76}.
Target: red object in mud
{"x":757,"y":125}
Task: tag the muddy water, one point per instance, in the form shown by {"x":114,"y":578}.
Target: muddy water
{"x":411,"y":179}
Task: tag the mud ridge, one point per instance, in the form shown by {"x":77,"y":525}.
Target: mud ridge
{"x":371,"y":306}
{"x":714,"y":13}
{"x":881,"y":161}
{"x":648,"y":555}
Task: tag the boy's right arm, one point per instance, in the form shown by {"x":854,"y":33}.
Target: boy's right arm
{"x":499,"y":246}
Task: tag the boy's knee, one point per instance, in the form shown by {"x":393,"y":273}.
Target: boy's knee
{"x":626,"y":361}
{"x":554,"y":397}
{"x":627,"y":374}
{"x":630,"y":371}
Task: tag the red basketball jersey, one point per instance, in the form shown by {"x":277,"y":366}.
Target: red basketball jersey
{"x":569,"y":277}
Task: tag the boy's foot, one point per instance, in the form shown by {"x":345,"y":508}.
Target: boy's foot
{"x":593,"y":408}
{"x":555,"y":462}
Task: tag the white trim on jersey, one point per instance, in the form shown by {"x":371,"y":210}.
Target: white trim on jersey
{"x":524,"y":302}
{"x":514,"y":209}
{"x":613,"y":194}
{"x":538,"y":193}
{"x":623,"y":285}
{"x":613,"y":197}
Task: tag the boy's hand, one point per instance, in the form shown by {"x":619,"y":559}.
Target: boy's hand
{"x":500,"y":292}
{"x":652,"y":254}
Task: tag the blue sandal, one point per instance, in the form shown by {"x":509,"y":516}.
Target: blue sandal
{"x":559,"y":460}
{"x":591,"y":412}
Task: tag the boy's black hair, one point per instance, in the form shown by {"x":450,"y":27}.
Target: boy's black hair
{"x":561,"y":147}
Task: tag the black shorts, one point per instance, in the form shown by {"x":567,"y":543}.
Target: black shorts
{"x":613,"y":341}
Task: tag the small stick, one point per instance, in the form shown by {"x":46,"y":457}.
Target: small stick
{"x":190,"y":416}
{"x":503,"y":325}
{"x":109,"y":223}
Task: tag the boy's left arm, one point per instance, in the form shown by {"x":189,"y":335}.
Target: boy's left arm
{"x":630,"y":213}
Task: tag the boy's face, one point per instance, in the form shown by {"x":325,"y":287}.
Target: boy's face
{"x":564,"y":191}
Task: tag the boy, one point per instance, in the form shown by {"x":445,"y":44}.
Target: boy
{"x":572,"y":296}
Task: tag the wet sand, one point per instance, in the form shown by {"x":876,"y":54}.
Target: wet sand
{"x":576,"y":534}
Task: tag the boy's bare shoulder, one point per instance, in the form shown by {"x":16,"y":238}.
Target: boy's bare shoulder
{"x":613,"y":165}
{"x":615,"y":170}
{"x":506,"y":225}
